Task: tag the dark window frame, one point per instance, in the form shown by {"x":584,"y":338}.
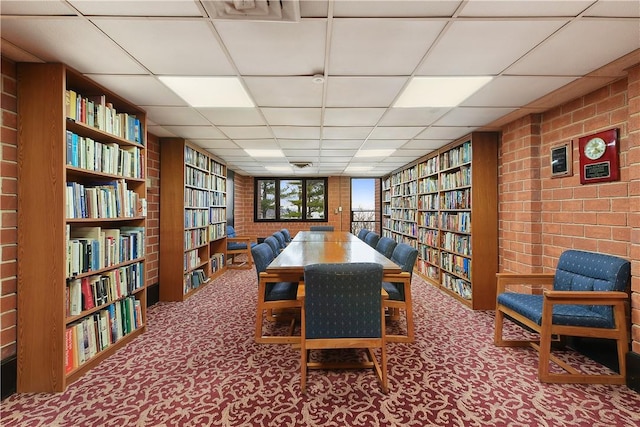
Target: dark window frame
{"x":277,"y":199}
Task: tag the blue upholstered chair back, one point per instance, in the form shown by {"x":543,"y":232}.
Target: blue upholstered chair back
{"x":321,"y":228}
{"x":262,"y":257}
{"x":273,"y":243}
{"x":362,"y":234}
{"x":589,"y":271}
{"x":343,"y":300}
{"x":372,"y":238}
{"x":231,"y":232}
{"x":405,"y":256}
{"x":281,"y":240}
{"x":286,"y":234}
{"x":385,"y":246}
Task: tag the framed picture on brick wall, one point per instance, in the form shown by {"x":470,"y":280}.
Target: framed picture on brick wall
{"x":561,"y":160}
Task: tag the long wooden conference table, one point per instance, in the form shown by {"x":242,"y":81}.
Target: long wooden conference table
{"x":320,"y":247}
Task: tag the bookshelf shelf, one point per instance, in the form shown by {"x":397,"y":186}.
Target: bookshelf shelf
{"x":192,"y":218}
{"x":77,"y":302}
{"x":455,"y":189}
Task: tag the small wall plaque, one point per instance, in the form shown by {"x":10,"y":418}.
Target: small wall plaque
{"x":561,"y":160}
{"x":599,"y":157}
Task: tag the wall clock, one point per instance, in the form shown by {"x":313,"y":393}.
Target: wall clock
{"x":599,"y":157}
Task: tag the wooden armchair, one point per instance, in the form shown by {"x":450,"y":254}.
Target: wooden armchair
{"x":239,"y":245}
{"x":585,"y":297}
{"x":400,"y":292}
{"x":342,"y":308}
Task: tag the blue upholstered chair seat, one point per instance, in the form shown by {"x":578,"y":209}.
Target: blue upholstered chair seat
{"x":236,"y":246}
{"x":281,"y":291}
{"x":396,"y":293}
{"x":530,"y":306}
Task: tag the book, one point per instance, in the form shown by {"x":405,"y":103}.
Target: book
{"x":68,"y":351}
{"x":75,"y":297}
{"x":87,"y":295}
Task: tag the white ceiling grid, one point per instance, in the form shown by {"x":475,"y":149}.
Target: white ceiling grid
{"x":366,"y":52}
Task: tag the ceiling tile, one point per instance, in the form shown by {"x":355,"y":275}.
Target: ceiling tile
{"x":363,"y":91}
{"x":447,"y":133}
{"x":411,"y":116}
{"x":376,"y":144}
{"x":137,"y":8}
{"x":627,"y":8}
{"x":394,"y":9}
{"x":274,"y":48}
{"x":342,"y":144}
{"x":346,"y":132}
{"x":196,"y":132}
{"x":472,"y":116}
{"x":246,"y":132}
{"x":174,"y":115}
{"x":512,"y":91}
{"x":233,"y":116}
{"x":308,"y":155}
{"x":263,"y":144}
{"x":141,"y":90}
{"x":21,"y":7}
{"x":214,"y":143}
{"x":525,"y":8}
{"x":159,"y":131}
{"x":284,"y":91}
{"x":426,"y":144}
{"x":299,"y":143}
{"x":581,"y":47}
{"x":490,"y":45}
{"x":292,"y":116}
{"x":358,"y":44}
{"x":296,"y":132}
{"x":73,"y":41}
{"x":185,"y":47}
{"x":396,"y":132}
{"x":352,"y":116}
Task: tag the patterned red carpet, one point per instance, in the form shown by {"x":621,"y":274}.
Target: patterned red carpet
{"x":198,"y":366}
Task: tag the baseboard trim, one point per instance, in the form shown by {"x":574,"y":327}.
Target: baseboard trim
{"x":9,"y":376}
{"x":633,"y":371}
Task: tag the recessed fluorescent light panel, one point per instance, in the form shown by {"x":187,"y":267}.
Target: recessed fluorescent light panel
{"x":439,"y":91}
{"x":209,"y":91}
{"x":264,"y":153}
{"x":358,"y":168}
{"x":374,"y":153}
{"x":279,"y":168}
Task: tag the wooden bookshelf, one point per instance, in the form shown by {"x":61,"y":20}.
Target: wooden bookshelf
{"x":193,"y":218}
{"x":456,"y":219}
{"x":64,"y":164}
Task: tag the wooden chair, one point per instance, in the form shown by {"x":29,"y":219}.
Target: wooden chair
{"x":400,"y":292}
{"x":321,"y":228}
{"x":342,"y":308}
{"x":362,"y":233}
{"x":287,"y":235}
{"x":273,"y":244}
{"x":372,"y":239}
{"x":274,"y":296}
{"x":239,"y":245}
{"x":585,"y":297}
{"x":386,"y":245}
{"x":282,"y":241}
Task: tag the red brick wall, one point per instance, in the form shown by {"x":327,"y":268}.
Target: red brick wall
{"x":153,"y":209}
{"x":339,"y":195}
{"x":540,"y":217}
{"x":8,"y":210}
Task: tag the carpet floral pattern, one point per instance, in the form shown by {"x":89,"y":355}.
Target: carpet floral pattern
{"x":197,"y":365}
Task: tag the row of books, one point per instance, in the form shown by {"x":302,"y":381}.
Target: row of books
{"x":456,"y":156}
{"x":428,"y":202}
{"x":96,"y":112}
{"x":459,"y":178}
{"x":404,"y":176}
{"x":94,"y":248}
{"x":404,"y":189}
{"x":457,"y":243}
{"x":217,"y":231}
{"x":457,"y":285}
{"x":111,"y":158}
{"x":194,"y":279}
{"x":196,"y":198}
{"x":427,"y":185}
{"x":431,"y":271}
{"x":458,"y":265}
{"x":456,"y":199}
{"x":93,"y":291}
{"x":217,"y":214}
{"x":195,"y":237}
{"x":196,"y":158}
{"x":196,"y":218}
{"x":429,"y":167}
{"x":197,"y":178}
{"x":93,"y":334}
{"x":216,"y":262}
{"x":191,"y":259}
{"x":105,"y":200}
{"x":459,"y":221}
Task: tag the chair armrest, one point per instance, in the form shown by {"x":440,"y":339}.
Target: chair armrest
{"x":242,"y":239}
{"x":540,"y":280}
{"x":584,"y":297}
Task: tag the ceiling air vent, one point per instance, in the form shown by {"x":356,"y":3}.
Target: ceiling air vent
{"x":301,"y":165}
{"x":254,"y":10}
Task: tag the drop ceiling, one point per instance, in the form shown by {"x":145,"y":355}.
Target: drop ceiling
{"x":538,"y":53}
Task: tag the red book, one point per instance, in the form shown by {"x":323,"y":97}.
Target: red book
{"x":87,"y":295}
{"x":69,"y":365}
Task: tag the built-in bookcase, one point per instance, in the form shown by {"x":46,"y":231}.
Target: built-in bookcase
{"x":456,"y":220}
{"x":193,"y":216}
{"x":81,"y":225}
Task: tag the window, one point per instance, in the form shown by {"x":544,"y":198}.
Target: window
{"x":290,"y":199}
